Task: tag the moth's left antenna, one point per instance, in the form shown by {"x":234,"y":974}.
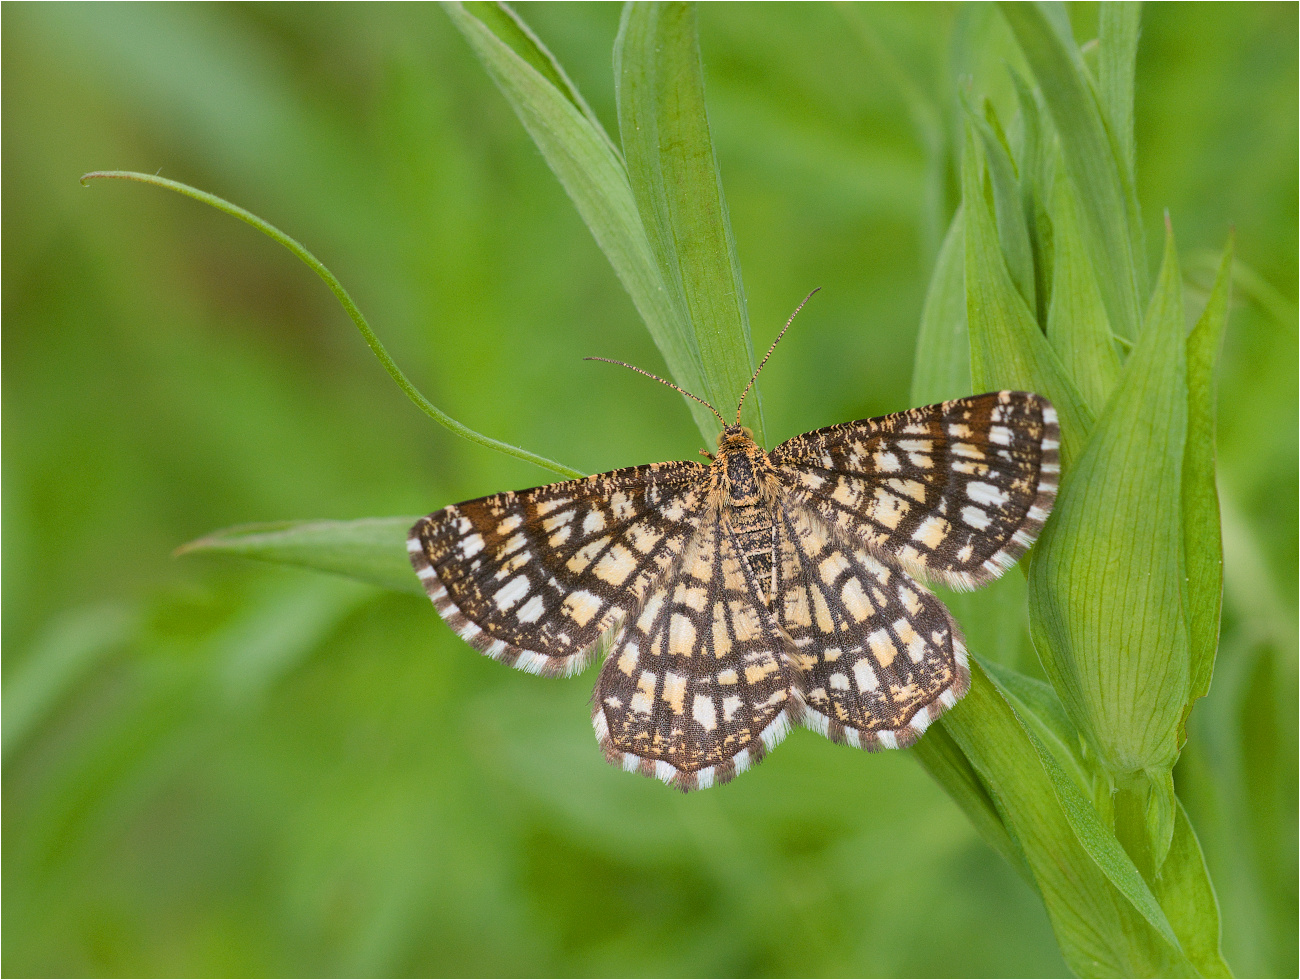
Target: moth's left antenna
{"x":633,"y":367}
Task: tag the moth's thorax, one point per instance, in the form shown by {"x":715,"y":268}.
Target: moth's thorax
{"x":742,"y":474}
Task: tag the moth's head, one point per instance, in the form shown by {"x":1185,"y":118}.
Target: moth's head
{"x":734,"y":435}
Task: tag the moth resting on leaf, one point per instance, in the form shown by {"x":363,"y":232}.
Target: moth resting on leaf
{"x":760,"y":590}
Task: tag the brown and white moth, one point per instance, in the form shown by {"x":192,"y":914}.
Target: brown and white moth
{"x":739,"y":597}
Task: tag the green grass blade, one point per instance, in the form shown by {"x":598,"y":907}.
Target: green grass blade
{"x":68,"y":649}
{"x":1187,"y":895}
{"x":589,"y":168}
{"x":1111,"y":218}
{"x":1041,"y":710}
{"x":1052,"y":735}
{"x":1200,"y":499}
{"x":1099,"y":929}
{"x":1007,"y":349}
{"x":349,"y":306}
{"x":502,"y":20}
{"x":1077,"y":326}
{"x":1202,"y":537}
{"x":371,"y":549}
{"x":1008,"y":205}
{"x":942,"y":758}
{"x":1106,"y":577}
{"x":1036,"y":156}
{"x":1118,"y":27}
{"x":942,"y":364}
{"x":673,"y":171}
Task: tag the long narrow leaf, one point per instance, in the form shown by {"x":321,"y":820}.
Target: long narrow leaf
{"x":1202,"y":538}
{"x":502,"y":20}
{"x":1036,"y":154}
{"x":942,"y":364}
{"x":1111,"y":217}
{"x":1007,"y":350}
{"x":1077,"y":325}
{"x":1008,"y":205}
{"x":1117,"y":30}
{"x":1187,"y":896}
{"x":580,"y":154}
{"x":370,"y":550}
{"x":942,"y":758}
{"x":673,"y":171}
{"x":1100,"y":843}
{"x":1041,"y":710}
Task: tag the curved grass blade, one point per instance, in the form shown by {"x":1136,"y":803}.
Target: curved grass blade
{"x":372,"y":549}
{"x":673,"y":171}
{"x":341,"y":294}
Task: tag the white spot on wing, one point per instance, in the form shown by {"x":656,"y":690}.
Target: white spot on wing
{"x":986,"y":494}
{"x":865,"y":676}
{"x":531,"y":610}
{"x":705,"y":712}
{"x":511,"y":592}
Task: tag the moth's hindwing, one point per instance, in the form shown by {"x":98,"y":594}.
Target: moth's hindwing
{"x":701,"y":683}
{"x":881,"y":656}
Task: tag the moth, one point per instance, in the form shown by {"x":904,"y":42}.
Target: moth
{"x":741,"y":596}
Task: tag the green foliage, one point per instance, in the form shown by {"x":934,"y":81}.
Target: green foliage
{"x":371,"y":549}
{"x":216,"y":769}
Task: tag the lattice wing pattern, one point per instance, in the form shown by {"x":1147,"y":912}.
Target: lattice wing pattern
{"x":534,"y":578}
{"x":701,"y":684}
{"x":955,"y":492}
{"x":880,"y":655}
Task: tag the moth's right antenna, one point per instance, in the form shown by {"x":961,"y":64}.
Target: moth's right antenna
{"x":769,"y":352}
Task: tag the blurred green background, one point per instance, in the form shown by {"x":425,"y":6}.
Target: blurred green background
{"x":214,"y":767}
